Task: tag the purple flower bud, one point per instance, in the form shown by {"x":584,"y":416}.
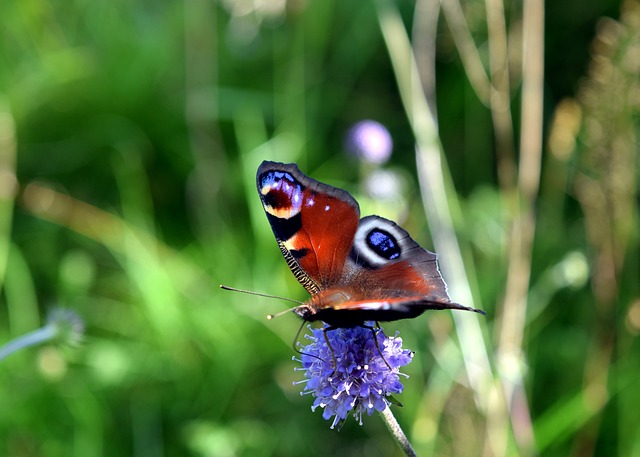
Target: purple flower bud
{"x":369,"y":141}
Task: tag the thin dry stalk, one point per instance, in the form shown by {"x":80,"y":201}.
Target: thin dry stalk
{"x":435,"y":197}
{"x":467,"y":49}
{"x":510,"y":354}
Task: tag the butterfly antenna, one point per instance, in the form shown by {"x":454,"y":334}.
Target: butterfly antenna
{"x":250,"y":292}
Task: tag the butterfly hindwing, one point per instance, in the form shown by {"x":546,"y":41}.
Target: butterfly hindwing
{"x":386,"y":256}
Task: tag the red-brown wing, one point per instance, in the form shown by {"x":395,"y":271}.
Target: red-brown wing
{"x":388,"y":276}
{"x":356,"y":270}
{"x":385,"y":262}
{"x":313,"y":223}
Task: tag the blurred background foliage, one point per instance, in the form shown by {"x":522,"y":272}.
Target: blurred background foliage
{"x":130,"y":133}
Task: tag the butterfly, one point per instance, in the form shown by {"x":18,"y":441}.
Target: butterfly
{"x":356,"y":270}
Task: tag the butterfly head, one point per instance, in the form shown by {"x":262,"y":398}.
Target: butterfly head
{"x":305,"y":312}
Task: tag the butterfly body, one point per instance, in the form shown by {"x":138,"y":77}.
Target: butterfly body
{"x":338,"y":308}
{"x":356,"y":270}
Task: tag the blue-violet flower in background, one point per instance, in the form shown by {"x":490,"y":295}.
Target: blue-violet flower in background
{"x":360,"y":380}
{"x":369,"y":141}
{"x":63,"y":326}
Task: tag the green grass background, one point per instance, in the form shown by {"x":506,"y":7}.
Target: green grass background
{"x":130,"y":133}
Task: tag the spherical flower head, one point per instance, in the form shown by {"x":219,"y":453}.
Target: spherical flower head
{"x":63,"y":325}
{"x":66,"y":326}
{"x":360,"y":379}
{"x":370,"y":141}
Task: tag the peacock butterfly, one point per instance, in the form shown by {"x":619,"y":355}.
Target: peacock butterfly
{"x":356,"y":270}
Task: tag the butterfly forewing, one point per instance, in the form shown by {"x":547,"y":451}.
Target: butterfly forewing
{"x":313,"y":223}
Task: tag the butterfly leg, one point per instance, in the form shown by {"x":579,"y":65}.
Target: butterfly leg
{"x":375,"y":341}
{"x":374,"y":332}
{"x":333,"y":353}
{"x":295,"y":348}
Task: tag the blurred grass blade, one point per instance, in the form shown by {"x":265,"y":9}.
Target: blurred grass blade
{"x":8,"y":182}
{"x":430,"y":169}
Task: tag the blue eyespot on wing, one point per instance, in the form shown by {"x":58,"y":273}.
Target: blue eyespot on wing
{"x":383,"y":244}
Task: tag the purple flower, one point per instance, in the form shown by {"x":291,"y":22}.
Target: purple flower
{"x":370,"y":141}
{"x":359,"y":379}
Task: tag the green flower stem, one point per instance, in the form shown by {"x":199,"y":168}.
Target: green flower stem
{"x":41,"y":335}
{"x":397,"y":432}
